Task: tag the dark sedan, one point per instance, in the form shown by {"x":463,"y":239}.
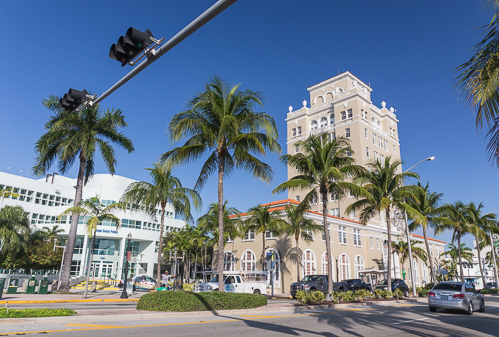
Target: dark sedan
{"x":396,"y":284}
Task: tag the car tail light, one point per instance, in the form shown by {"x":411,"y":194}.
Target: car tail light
{"x":431,"y":294}
{"x":458,"y":296}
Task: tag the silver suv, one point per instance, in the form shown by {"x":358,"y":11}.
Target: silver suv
{"x":456,"y":296}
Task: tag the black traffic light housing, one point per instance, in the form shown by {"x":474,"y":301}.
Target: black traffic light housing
{"x":73,"y":99}
{"x":130,"y":45}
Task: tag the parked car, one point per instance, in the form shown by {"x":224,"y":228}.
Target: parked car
{"x":456,"y":296}
{"x":144,"y":282}
{"x":357,"y":284}
{"x":396,"y":284}
{"x":316,"y":283}
{"x":122,"y":282}
{"x":235,"y":282}
{"x":490,"y":285}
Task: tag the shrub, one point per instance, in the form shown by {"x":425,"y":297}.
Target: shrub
{"x":301,"y":296}
{"x":383,"y":293}
{"x":189,"y":301}
{"x":418,"y":289}
{"x":429,"y":286}
{"x":489,"y":291}
{"x":188,"y":286}
{"x":310,"y":297}
{"x":423,"y":293}
{"x":359,"y":295}
{"x":20,"y":313}
{"x":398,"y":293}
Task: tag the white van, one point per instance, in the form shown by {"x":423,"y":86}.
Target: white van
{"x":237,"y":282}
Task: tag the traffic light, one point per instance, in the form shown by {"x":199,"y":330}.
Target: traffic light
{"x":130,"y":45}
{"x":73,"y":99}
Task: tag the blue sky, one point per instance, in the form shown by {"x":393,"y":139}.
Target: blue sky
{"x":405,"y":50}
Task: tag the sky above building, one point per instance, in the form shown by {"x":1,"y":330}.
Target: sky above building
{"x":406,"y":51}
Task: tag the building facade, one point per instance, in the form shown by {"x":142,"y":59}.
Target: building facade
{"x":45,"y":199}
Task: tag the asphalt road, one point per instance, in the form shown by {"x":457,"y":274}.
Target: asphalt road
{"x":412,"y":319}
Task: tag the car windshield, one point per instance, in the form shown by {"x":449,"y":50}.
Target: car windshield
{"x":214,"y":279}
{"x":149,"y":279}
{"x":310,"y":278}
{"x":384,"y":283}
{"x":448,"y":286}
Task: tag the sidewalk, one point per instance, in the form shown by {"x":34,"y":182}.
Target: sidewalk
{"x":75,"y":296}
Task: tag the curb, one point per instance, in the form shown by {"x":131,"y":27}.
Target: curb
{"x":96,"y":300}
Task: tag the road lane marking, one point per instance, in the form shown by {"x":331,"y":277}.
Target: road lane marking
{"x":100,"y":326}
{"x":413,"y":320}
{"x":360,"y":309}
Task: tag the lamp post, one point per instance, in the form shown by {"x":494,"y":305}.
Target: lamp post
{"x":337,"y":271}
{"x":411,"y":267}
{"x":124,"y":293}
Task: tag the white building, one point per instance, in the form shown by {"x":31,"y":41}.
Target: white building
{"x":45,"y":199}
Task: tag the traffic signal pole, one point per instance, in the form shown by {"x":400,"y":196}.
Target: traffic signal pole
{"x":200,"y":21}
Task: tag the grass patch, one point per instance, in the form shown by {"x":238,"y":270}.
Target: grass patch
{"x":187,"y":301}
{"x":26,"y":313}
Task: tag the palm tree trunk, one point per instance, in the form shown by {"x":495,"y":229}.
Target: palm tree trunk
{"x":328,"y":246}
{"x":428,"y":253}
{"x":263,"y":251}
{"x":221,"y":166}
{"x":195,"y":266}
{"x":160,"y":245}
{"x":389,"y":264}
{"x":90,"y":264}
{"x":68,"y":257}
{"x":297,"y":237}
{"x":460,"y":262}
{"x":479,"y":259}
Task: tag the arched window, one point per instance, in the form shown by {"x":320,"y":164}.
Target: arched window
{"x":344,"y":266}
{"x":229,"y":262}
{"x":309,"y":263}
{"x":277,"y":268}
{"x":331,"y":118}
{"x":248,"y":261}
{"x":323,"y":121}
{"x":425,"y":273}
{"x":358,"y":265}
{"x":416,"y":272}
{"x":324,"y":263}
{"x":313,"y":125}
{"x":329,"y":96}
{"x":319,"y":100}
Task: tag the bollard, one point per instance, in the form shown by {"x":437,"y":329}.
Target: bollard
{"x":93,"y":286}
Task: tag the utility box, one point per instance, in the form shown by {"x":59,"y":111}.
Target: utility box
{"x":2,"y":284}
{"x":13,"y":284}
{"x":44,"y":286}
{"x":30,"y":289}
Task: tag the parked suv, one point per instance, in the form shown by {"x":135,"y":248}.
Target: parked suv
{"x":316,"y":283}
{"x":490,"y":285}
{"x":396,"y":284}
{"x":356,"y":284}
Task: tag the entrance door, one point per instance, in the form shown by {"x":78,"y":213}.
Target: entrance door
{"x":106,"y":268}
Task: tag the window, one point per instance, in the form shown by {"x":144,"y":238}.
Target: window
{"x":294,"y":132}
{"x":365,"y":134}
{"x":314,"y":200}
{"x":229,"y":262}
{"x":334,"y":197}
{"x":352,"y":213}
{"x":250,"y":235}
{"x":425,"y":273}
{"x":269,"y":235}
{"x":349,"y":153}
{"x":416,"y":272}
{"x":323,"y":121}
{"x":394,"y":150}
{"x":358,"y":265}
{"x":324,"y":263}
{"x":347,"y":132}
{"x":298,"y":198}
{"x":375,"y":155}
{"x":333,"y":135}
{"x":324,"y":234}
{"x":372,"y":242}
{"x":299,"y":130}
{"x":343,"y":115}
{"x":313,"y":125}
{"x":374,"y":138}
{"x":356,"y":237}
{"x":386,"y":145}
{"x":248,"y":261}
{"x":331,"y":118}
{"x":381,"y":159}
{"x":350,"y":194}
{"x":342,"y":230}
{"x":350,"y":114}
{"x":309,"y":264}
{"x":377,"y":243}
{"x":230,"y":239}
{"x":297,"y":148}
{"x":344,"y":267}
{"x":335,"y":212}
{"x":367,"y":152}
{"x":78,"y":248}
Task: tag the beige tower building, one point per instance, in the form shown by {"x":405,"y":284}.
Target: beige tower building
{"x":342,"y":106}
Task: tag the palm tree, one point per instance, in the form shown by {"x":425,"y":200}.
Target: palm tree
{"x":5,"y":193}
{"x":165,"y":189}
{"x":477,"y":81}
{"x":454,"y":218}
{"x":96,"y":213}
{"x":480,"y":224}
{"x":323,"y":168}
{"x":261,"y":220}
{"x":222,"y":124}
{"x":451,"y":269}
{"x":402,"y":249}
{"x":423,"y":208}
{"x":52,"y":233}
{"x":385,"y":191}
{"x":457,"y":253}
{"x":77,"y":135}
{"x":297,"y":225}
{"x":14,"y":229}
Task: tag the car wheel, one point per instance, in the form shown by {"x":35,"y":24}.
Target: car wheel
{"x":433,"y":309}
{"x":256,"y":291}
{"x":313,"y":289}
{"x":482,"y":307}
{"x":470,"y":309}
{"x":406,"y":293}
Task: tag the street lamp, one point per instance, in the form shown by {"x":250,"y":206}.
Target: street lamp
{"x":411,"y":267}
{"x":124,"y":293}
{"x":337,"y":270}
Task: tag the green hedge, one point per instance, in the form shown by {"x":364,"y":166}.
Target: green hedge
{"x":489,"y":291}
{"x":20,"y":313}
{"x":423,"y":293}
{"x":188,"y":301}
